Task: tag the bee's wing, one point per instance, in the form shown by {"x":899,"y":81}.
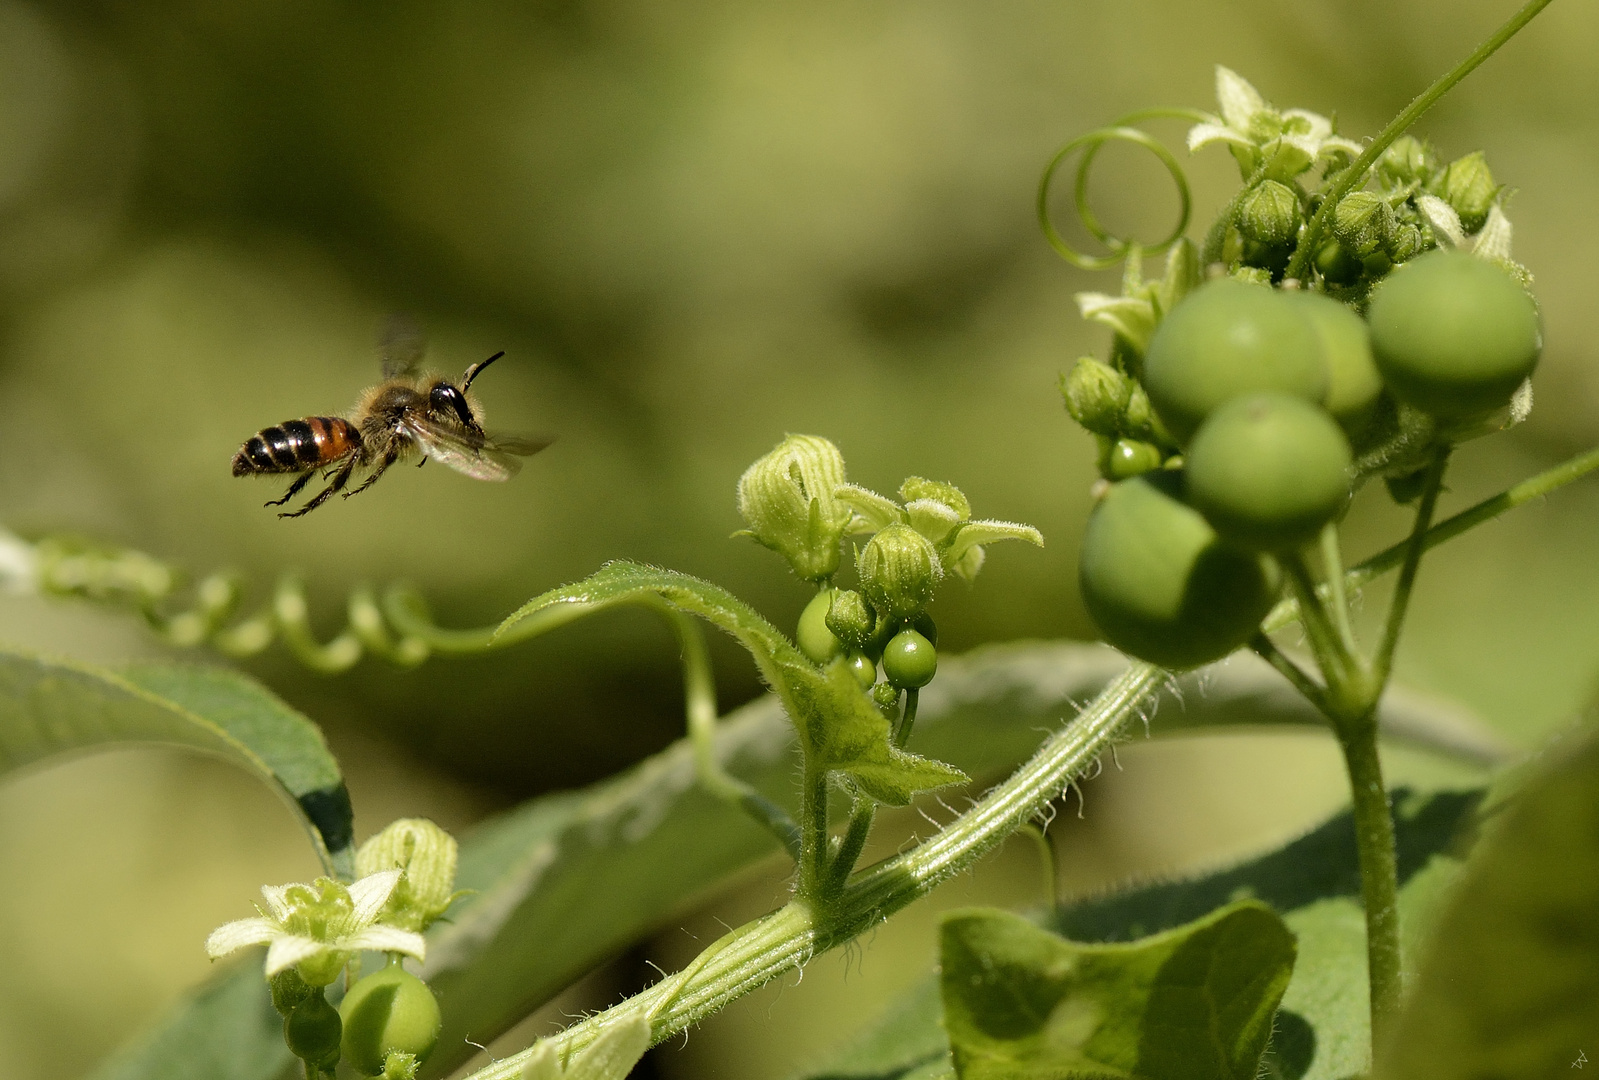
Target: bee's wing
{"x":401,"y":345}
{"x":491,"y":457}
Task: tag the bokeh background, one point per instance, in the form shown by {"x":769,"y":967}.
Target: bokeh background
{"x":693,"y":228}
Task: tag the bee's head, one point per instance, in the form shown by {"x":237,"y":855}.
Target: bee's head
{"x":445,"y":398}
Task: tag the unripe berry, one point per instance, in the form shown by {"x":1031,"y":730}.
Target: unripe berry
{"x":1454,"y":335}
{"x":1268,"y":471}
{"x":312,"y":1030}
{"x":385,"y":1011}
{"x":815,"y":640}
{"x":1224,"y":340}
{"x":1159,"y":582}
{"x":1353,"y":381}
{"x":910,"y":661}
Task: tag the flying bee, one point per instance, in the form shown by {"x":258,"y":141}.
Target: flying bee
{"x":409,"y":412}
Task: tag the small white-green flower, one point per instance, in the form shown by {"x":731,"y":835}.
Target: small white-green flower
{"x":318,"y":927}
{"x":1288,"y":142}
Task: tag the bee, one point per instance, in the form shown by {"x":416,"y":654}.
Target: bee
{"x":409,"y":412}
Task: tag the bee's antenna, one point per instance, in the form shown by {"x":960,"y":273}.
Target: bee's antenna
{"x":473,"y":371}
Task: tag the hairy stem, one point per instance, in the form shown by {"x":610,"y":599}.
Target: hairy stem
{"x":1379,"y":866}
{"x":1332,"y":561}
{"x":760,"y":951}
{"x":849,"y":849}
{"x":907,"y":720}
{"x":1307,"y":687}
{"x":1356,"y":173}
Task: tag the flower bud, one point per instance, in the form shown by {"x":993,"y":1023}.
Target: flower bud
{"x":787,"y":499}
{"x":1469,"y":187}
{"x":1407,"y":161}
{"x":1096,"y":395}
{"x":425,"y":854}
{"x":1269,"y":214}
{"x":899,"y":569}
{"x":1362,"y":223}
{"x":915,"y":489}
{"x":850,"y":620}
{"x":1405,"y":243}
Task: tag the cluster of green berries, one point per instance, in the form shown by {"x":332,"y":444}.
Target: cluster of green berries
{"x":1262,"y":397}
{"x":795,"y":500}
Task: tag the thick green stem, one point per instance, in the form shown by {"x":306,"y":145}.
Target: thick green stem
{"x":758,"y":952}
{"x":813,"y":854}
{"x":1379,"y":867}
{"x":1309,"y":241}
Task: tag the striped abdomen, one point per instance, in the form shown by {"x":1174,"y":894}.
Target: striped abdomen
{"x":297,"y":445}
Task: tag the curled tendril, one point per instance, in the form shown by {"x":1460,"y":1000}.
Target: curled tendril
{"x":1090,"y":144}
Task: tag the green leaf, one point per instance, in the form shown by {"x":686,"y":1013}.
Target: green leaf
{"x":228,"y":1027}
{"x":840,"y":729}
{"x":1322,"y":1030}
{"x":567,"y":880}
{"x":49,"y":708}
{"x":1191,"y":1003}
{"x":1510,"y":984}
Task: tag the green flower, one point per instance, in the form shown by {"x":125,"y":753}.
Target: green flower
{"x":317,"y":928}
{"x":1286,"y":142}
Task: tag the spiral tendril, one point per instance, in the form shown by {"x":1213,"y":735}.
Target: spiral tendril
{"x":1090,"y":143}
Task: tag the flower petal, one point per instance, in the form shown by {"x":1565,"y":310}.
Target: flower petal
{"x":875,"y":510}
{"x":1238,"y":100}
{"x":1201,"y":135}
{"x":931,"y":518}
{"x":369,"y":895}
{"x":387,"y":939}
{"x":1131,"y":317}
{"x":242,"y":933}
{"x":1443,"y":219}
{"x":289,"y":949}
{"x":276,"y":898}
{"x":973,"y":533}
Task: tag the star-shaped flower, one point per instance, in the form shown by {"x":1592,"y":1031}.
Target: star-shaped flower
{"x":1287,"y":142}
{"x":319,"y":927}
{"x":941,"y":514}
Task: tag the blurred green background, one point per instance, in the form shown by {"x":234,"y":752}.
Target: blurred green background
{"x":693,"y":227}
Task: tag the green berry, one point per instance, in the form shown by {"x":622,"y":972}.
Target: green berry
{"x":312,"y":1030}
{"x":1353,"y":381}
{"x":815,"y":640}
{"x":1129,"y":457}
{"x":1225,"y":340}
{"x":1453,"y":335}
{"x":1159,"y":582}
{"x":910,"y":661}
{"x":1268,"y":471}
{"x":863,"y":668}
{"x":388,"y":1010}
{"x":1337,"y":265}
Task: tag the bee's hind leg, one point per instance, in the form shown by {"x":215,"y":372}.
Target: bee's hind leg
{"x":388,"y":459}
{"x":340,"y":478}
{"x":294,"y":488}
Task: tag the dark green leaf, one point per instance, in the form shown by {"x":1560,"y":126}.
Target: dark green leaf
{"x":49,"y":708}
{"x":1191,"y":1003}
{"x":1510,"y":984}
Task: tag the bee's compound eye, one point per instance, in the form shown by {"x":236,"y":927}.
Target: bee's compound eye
{"x":447,"y":399}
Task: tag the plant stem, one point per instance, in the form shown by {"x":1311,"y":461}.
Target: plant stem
{"x":1534,"y":487}
{"x":757,"y":952}
{"x":1356,"y":173}
{"x":1332,"y":561}
{"x":813,"y":855}
{"x":1432,"y":484}
{"x":699,"y":704}
{"x":1379,"y":867}
{"x":849,"y":848}
{"x":1335,"y":661}
{"x":1291,"y":671}
{"x":907,"y":721}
